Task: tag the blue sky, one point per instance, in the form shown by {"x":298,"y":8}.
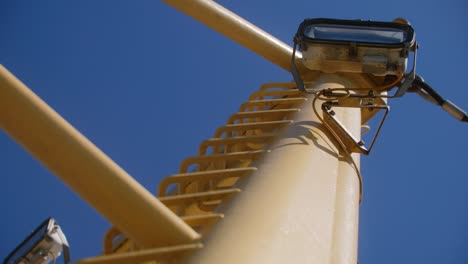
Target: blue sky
{"x":147,"y":84}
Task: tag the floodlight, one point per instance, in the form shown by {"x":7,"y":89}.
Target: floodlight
{"x":336,"y":45}
{"x":43,"y":245}
{"x":362,"y":47}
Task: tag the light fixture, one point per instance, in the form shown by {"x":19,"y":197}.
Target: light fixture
{"x":353,"y":46}
{"x":361,"y":47}
{"x":333,"y":45}
{"x":44,"y":245}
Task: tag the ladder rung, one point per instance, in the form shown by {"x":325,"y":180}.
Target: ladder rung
{"x":199,"y":220}
{"x":272,"y":102}
{"x":216,"y":142}
{"x":140,"y":256}
{"x":198,"y":197}
{"x":113,"y":239}
{"x":281,"y":85}
{"x":259,"y":95}
{"x":186,"y":178}
{"x":262,"y":114}
{"x":251,"y":126}
{"x":244,"y":155}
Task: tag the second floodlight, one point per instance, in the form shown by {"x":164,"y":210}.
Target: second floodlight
{"x":44,"y":245}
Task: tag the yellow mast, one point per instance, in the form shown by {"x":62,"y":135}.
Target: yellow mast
{"x":301,"y":205}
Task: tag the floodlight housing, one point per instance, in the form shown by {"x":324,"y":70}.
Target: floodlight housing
{"x":336,"y":45}
{"x":42,"y":246}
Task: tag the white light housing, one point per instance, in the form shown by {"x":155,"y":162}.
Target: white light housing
{"x":43,"y":245}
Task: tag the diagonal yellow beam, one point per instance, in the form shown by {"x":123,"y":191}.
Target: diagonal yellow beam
{"x":86,"y":169}
{"x":238,"y":29}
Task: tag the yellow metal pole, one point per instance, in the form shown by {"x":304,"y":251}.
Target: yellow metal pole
{"x":86,"y":169}
{"x":302,"y":203}
{"x":237,"y":29}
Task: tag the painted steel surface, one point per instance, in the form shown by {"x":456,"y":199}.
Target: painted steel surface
{"x":237,"y":29}
{"x":86,"y":169}
{"x":301,"y":205}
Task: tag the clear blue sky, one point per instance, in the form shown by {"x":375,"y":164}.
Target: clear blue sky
{"x":147,"y":84}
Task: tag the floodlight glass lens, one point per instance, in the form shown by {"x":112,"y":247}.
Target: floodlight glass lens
{"x":355,"y":33}
{"x":27,"y":245}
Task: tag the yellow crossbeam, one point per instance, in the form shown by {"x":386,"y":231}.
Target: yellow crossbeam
{"x":86,"y":169}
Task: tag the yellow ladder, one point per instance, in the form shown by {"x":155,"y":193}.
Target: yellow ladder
{"x":208,"y":179}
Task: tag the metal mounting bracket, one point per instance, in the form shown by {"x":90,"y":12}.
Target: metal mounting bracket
{"x":341,"y":133}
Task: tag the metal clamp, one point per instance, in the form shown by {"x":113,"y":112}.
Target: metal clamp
{"x":340,"y":132}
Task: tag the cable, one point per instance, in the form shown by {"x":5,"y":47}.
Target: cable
{"x":342,"y":145}
{"x":347,"y":93}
